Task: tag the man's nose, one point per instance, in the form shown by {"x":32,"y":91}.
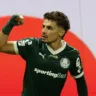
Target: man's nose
{"x":44,"y":31}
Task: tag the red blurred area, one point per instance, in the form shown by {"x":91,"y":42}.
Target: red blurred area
{"x":12,"y":66}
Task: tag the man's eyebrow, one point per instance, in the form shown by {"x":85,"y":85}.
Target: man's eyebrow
{"x":46,"y":25}
{"x":49,"y":25}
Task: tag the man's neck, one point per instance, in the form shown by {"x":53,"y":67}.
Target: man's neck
{"x":55,"y":45}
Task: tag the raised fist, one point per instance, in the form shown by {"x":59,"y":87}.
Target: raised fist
{"x":16,"y":19}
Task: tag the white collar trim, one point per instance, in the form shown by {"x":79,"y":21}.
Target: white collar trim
{"x":58,"y":50}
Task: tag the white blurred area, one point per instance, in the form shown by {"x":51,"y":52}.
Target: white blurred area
{"x":81,"y":13}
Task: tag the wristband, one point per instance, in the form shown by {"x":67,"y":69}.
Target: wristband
{"x":7,"y":28}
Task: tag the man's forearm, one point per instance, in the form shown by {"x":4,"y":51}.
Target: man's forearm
{"x":3,"y":39}
{"x":14,"y":21}
{"x":82,"y":87}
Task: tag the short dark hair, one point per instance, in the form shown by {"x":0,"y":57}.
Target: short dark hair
{"x":60,"y":18}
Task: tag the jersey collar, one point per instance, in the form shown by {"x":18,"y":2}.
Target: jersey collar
{"x":54,"y":52}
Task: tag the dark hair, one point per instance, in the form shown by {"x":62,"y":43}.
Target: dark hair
{"x":60,"y":18}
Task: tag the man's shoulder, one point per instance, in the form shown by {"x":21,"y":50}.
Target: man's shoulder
{"x":34,"y":39}
{"x":29,"y":41}
{"x":37,"y":41}
{"x":71,"y":49}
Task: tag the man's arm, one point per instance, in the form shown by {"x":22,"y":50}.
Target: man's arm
{"x":81,"y":86}
{"x":8,"y":48}
{"x":3,"y":39}
{"x":77,"y":72}
{"x":5,"y":45}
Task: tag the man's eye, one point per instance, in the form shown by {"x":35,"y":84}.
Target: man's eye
{"x":50,"y":28}
{"x":43,"y":26}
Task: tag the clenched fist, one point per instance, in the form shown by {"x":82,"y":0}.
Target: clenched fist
{"x":15,"y":20}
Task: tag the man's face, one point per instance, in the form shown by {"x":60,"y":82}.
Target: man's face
{"x":51,"y":31}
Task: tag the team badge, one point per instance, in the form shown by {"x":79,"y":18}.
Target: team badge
{"x":65,"y":63}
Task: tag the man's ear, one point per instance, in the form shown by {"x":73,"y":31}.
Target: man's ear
{"x":61,"y":32}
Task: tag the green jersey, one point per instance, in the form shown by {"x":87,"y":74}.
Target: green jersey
{"x":46,"y":69}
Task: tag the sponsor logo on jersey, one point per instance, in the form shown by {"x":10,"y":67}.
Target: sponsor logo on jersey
{"x":23,"y":42}
{"x":49,"y":73}
{"x":65,"y":63}
{"x":78,"y":65}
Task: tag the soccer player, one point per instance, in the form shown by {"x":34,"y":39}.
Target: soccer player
{"x":48,"y":59}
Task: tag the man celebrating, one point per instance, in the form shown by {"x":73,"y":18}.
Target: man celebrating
{"x":48,"y":59}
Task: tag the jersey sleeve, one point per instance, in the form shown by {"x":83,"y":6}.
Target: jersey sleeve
{"x":22,"y":47}
{"x":76,"y":69}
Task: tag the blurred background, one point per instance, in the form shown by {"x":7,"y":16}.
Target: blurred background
{"x":82,"y":16}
